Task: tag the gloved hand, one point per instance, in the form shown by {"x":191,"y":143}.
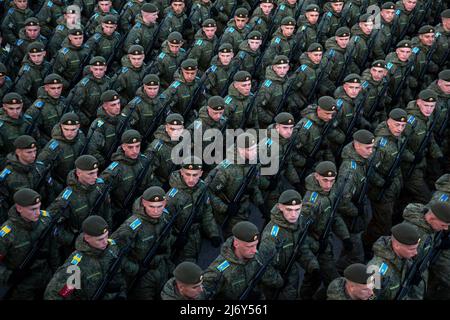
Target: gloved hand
{"x":348,"y":244}
{"x":187,"y":24}
{"x":216,"y":242}
{"x":214,"y":12}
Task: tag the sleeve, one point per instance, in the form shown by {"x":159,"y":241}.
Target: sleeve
{"x":213,"y":281}
{"x":216,"y":186}
{"x":340,"y":228}
{"x":96,"y":144}
{"x":60,"y":64}
{"x":4,"y":250}
{"x":209,"y":224}
{"x":57,"y":288}
{"x":7,"y":30}
{"x":307,"y":258}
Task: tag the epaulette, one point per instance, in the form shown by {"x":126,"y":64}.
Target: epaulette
{"x":158,"y":145}
{"x":274,"y":231}
{"x":99,"y":181}
{"x":4,"y":174}
{"x":19,"y":42}
{"x":5,"y":230}
{"x":353,"y":164}
{"x":228,"y":99}
{"x":49,"y":4}
{"x":11,"y":10}
{"x":135,"y":224}
{"x":64,"y":51}
{"x":213,"y":68}
{"x":170,"y":14}
{"x":44,"y":213}
{"x":365,"y":84}
{"x":84,"y":81}
{"x":112,"y":166}
{"x":397,"y":12}
{"x":175,"y":84}
{"x":26,"y":68}
{"x":313,"y":197}
{"x":282,"y":7}
{"x":60,"y":27}
{"x":415,"y":50}
{"x":130,"y":4}
{"x":138,"y":25}
{"x":356,"y":39}
{"x":124,"y":70}
{"x":339,"y":103}
{"x":269,"y":142}
{"x":199,"y":42}
{"x":443,"y":198}
{"x":161,"y":55}
{"x":308,"y":124}
{"x":389,"y":65}
{"x":172,"y":192}
{"x":76,"y":259}
{"x":277,"y":40}
{"x":302,"y":68}
{"x":182,"y":50}
{"x":136,"y":100}
{"x":53,"y":145}
{"x":383,"y":142}
{"x":225,"y":163}
{"x":411,"y":119}
{"x":67,"y":193}
{"x":39,"y":104}
{"x":197,"y":124}
{"x":383,"y":269}
{"x":221,"y":267}
{"x":1,"y":123}
{"x":96,"y":16}
{"x":230,"y":29}
{"x":100,"y":123}
{"x":267,"y":83}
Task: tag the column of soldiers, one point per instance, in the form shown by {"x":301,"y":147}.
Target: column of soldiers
{"x":96,"y":96}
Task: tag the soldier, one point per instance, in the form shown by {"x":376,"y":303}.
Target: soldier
{"x":285,"y":226}
{"x":354,"y":205}
{"x":129,"y":78}
{"x":204,"y":45}
{"x":106,"y":39}
{"x":223,"y":11}
{"x":167,"y":136}
{"x":187,"y":283}
{"x":356,"y":284}
{"x":18,"y":235}
{"x":355,"y":8}
{"x":336,"y":52}
{"x":102,"y":135}
{"x":224,"y":184}
{"x":392,"y":258}
{"x":307,"y":27}
{"x":66,"y":145}
{"x":406,"y":18}
{"x":286,"y":8}
{"x":103,"y":8}
{"x":261,"y":17}
{"x":229,"y":274}
{"x":65,"y":23}
{"x":331,"y":20}
{"x":239,"y":100}
{"x":79,"y":200}
{"x":272,"y":91}
{"x":361,"y":43}
{"x":6,"y":83}
{"x":13,"y":123}
{"x":49,"y":14}
{"x":85,"y":96}
{"x":190,"y":195}
{"x":200,"y":11}
{"x":443,"y":47}
{"x":71,"y":58}
{"x":175,"y":19}
{"x":169,"y":59}
{"x":129,"y":11}
{"x":317,"y":256}
{"x":222,"y":70}
{"x":249,"y":51}
{"x":390,"y":139}
{"x":384,"y":41}
{"x":94,"y":253}
{"x":22,"y":170}
{"x":141,"y":231}
{"x":14,"y":20}
{"x":146,"y":108}
{"x":87,"y":9}
{"x":237,"y":29}
{"x":143,"y":31}
{"x":49,"y":107}
{"x":32,"y":73}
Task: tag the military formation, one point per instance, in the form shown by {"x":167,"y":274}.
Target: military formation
{"x":97,"y":96}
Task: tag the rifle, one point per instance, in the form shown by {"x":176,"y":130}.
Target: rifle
{"x":390,"y":41}
{"x":115,"y":51}
{"x":287,"y":270}
{"x":119,"y":132}
{"x":284,"y":98}
{"x":408,"y":70}
{"x":232,"y":73}
{"x":426,"y":13}
{"x":248,"y":109}
{"x":323,"y":240}
{"x":321,"y":24}
{"x":155,"y":37}
{"x":79,"y":73}
{"x":196,"y":94}
{"x":47,"y":170}
{"x":369,"y":48}
{"x":405,"y":30}
{"x":428,"y":59}
{"x":347,"y":62}
{"x":441,"y":130}
{"x":155,"y":122}
{"x":239,"y":194}
{"x":319,"y":78}
{"x":342,"y":21}
{"x":376,"y":103}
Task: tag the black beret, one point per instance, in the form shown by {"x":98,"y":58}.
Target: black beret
{"x":288,"y":21}
{"x":245,"y":231}
{"x":444,"y":75}
{"x":290,"y":197}
{"x":255,"y":35}
{"x":36,"y":47}
{"x":353,"y":78}
{"x":242,"y":76}
{"x":76,"y":32}
{"x":151,"y":80}
{"x":379,"y":64}
{"x":25,"y":142}
{"x":86,"y":162}
{"x":241,"y":13}
{"x":445,"y":14}
{"x":404,"y":44}
{"x":312,"y":8}
{"x":172,"y":1}
{"x":267,"y":1}
{"x":216,"y":103}
{"x":175,"y":118}
{"x":398,"y":114}
{"x":245,"y":140}
{"x":175,"y":37}
{"x":426,"y":29}
{"x":405,"y":233}
{"x":149,"y":7}
{"x":364,"y":136}
{"x":388,"y":5}
{"x":94,"y":226}
{"x":109,"y":95}
{"x":335,"y":1}
{"x":189,"y":64}
{"x":97,"y":61}
{"x":326,"y":169}
{"x":70,"y":118}
{"x":26,"y":197}
{"x":136,"y":50}
{"x":285,"y":118}
{"x":342,"y":32}
{"x":428,"y":95}
{"x":280,"y":59}
{"x":192,"y":163}
{"x":365,"y":17}
{"x":327,"y":103}
{"x":154,"y":194}
{"x":188,"y":272}
{"x":208,"y":23}
{"x":110,"y":19}
{"x":53,"y":78}
{"x":315,"y":47}
{"x":12,"y":98}
{"x":131,"y":136}
{"x":3,"y":70}
{"x":30,"y":22}
{"x":357,"y":273}
{"x":71,"y":9}
{"x":442,"y":211}
{"x":226,"y":48}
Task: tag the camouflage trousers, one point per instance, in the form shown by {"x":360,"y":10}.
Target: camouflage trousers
{"x":350,"y":257}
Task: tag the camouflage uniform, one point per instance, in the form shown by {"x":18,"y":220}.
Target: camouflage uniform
{"x":202,"y":49}
{"x":260,"y":22}
{"x":128,"y":80}
{"x":19,"y":51}
{"x":233,"y":35}
{"x":60,"y":34}
{"x":218,"y":77}
{"x":87,"y":9}
{"x":13,"y":22}
{"x":384,"y":40}
{"x":166,"y":64}
{"x":141,"y":34}
{"x":49,"y":14}
{"x":248,"y":57}
{"x":306,"y":33}
{"x":6,"y":86}
{"x":199,"y":13}
{"x":235,"y":108}
{"x":336,"y":290}
{"x":170,"y":292}
{"x":129,"y":11}
{"x":372,"y":90}
{"x":102,"y":45}
{"x":95,"y":20}
{"x":279,"y":45}
{"x":432,"y":69}
{"x":173,"y":22}
{"x":30,"y":78}
{"x":329,"y":23}
{"x":360,"y":46}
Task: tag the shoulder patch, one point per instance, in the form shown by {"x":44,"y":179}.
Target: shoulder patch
{"x":356,"y":39}
{"x":138,"y":25}
{"x":84,"y":81}
{"x":303,"y":67}
{"x":173,"y":192}
{"x":308,"y":124}
{"x":274,"y":231}
{"x":221,"y":267}
{"x":112,"y":166}
{"x":112,"y":242}
{"x":26,"y":68}
{"x":277,"y":40}
{"x":64,"y":51}
{"x":242,"y":54}
{"x":19,"y":42}
{"x":331,"y":53}
{"x":313,"y":197}
{"x":213,"y":68}
{"x":39,"y":104}
{"x":199,"y":42}
{"x":282,"y":7}
{"x":5,"y":230}
{"x":124,"y":70}
{"x":267,"y":83}
{"x":339,"y":103}
{"x":397,"y":12}
{"x":329,"y":14}
{"x":365,"y":84}
{"x":44,"y":213}
{"x":411,"y":119}
{"x":136,"y":100}
{"x":4,"y":173}
{"x":416,"y":50}
{"x":353,"y":164}
{"x":443,"y":198}
{"x":60,"y":27}
{"x":225,"y":163}
{"x":49,"y":4}
{"x":158,"y":145}
{"x":230,"y":29}
{"x":161,"y":55}
{"x":383,"y":269}
{"x":53,"y":145}
{"x":383,"y":142}
{"x":135,"y":224}
{"x":76,"y":259}
{"x":11,"y":10}
{"x":67,"y":193}
{"x":99,"y":181}
{"x":389,"y":65}
{"x":175,"y":84}
{"x":269,"y":142}
{"x":228,"y":100}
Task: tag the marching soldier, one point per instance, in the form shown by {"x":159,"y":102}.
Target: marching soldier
{"x":103,"y":8}
{"x":175,"y":19}
{"x":237,"y":29}
{"x":143,"y":30}
{"x":6,"y":83}
{"x":49,"y":14}
{"x":336,"y":52}
{"x":262,"y":16}
{"x":356,"y":284}
{"x":332,"y":19}
{"x":105,"y":41}
{"x":249,"y":51}
{"x":307,"y":27}
{"x":187,"y":283}
{"x":128,"y":14}
{"x":222,"y":70}
{"x":205,"y":41}
{"x":383,"y":43}
{"x":65,"y":23}
{"x":14,"y":20}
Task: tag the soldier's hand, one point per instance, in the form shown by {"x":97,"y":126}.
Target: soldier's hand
{"x":216,"y":242}
{"x":348,"y":244}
